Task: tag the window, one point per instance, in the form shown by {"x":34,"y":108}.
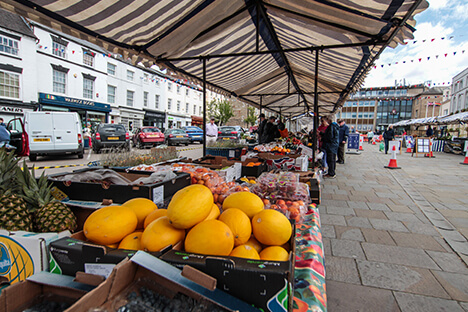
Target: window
{"x":59,"y":81}
{"x":178,"y":89}
{"x":130,"y":95}
{"x":88,"y":86}
{"x":145,"y":99}
{"x":187,"y":92}
{"x":111,"y":93}
{"x":9,"y":85}
{"x":9,"y":45}
{"x":178,"y":106}
{"x":186,"y":107}
{"x":199,"y":110}
{"x":130,"y":75}
{"x":156,"y":101}
{"x":145,"y":78}
{"x":169,"y":86}
{"x":194,"y":109}
{"x":169,"y":103}
{"x":59,"y":47}
{"x":88,"y":58}
{"x":111,"y":69}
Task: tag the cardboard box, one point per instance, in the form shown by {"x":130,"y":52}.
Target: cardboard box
{"x":121,"y":193}
{"x":267,"y":285}
{"x":23,"y":254}
{"x":160,"y":277}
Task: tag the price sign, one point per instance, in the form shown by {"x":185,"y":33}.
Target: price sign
{"x":353,"y":141}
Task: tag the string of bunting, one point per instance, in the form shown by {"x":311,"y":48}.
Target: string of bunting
{"x":430,"y":40}
{"x":419,"y":59}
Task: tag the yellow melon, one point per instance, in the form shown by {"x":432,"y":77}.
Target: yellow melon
{"x":254,"y":243}
{"x":210,"y":237}
{"x":142,"y":207}
{"x":156,"y":214}
{"x":214,"y":213}
{"x":190,"y":206}
{"x":110,"y":224}
{"x":248,"y":202}
{"x":274,"y":253}
{"x":159,"y":234}
{"x":271,"y":227}
{"x":245,"y":251}
{"x":132,"y":241}
{"x":239,"y":223}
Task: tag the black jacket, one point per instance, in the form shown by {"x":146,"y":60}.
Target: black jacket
{"x":261,"y":130}
{"x":331,"y":138}
{"x":271,"y":133}
{"x":389,"y":134}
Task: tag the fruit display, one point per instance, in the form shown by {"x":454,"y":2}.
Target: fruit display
{"x":273,"y":149}
{"x":159,"y":234}
{"x":248,"y":202}
{"x":142,"y":208}
{"x":239,"y":223}
{"x":271,"y":227}
{"x":211,"y":237}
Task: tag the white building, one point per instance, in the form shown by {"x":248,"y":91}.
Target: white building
{"x":459,"y":99}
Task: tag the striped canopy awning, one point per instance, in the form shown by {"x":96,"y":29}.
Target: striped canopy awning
{"x":277,"y":54}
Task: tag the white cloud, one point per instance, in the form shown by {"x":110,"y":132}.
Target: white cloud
{"x":437,"y":4}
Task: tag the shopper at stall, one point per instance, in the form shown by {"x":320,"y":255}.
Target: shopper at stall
{"x":211,"y":132}
{"x":271,"y":131}
{"x":388,"y":135}
{"x":429,"y":131}
{"x":330,"y":144}
{"x":370,"y":136}
{"x":344,"y":133}
{"x":321,"y":132}
{"x":261,"y":128}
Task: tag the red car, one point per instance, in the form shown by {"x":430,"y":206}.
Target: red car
{"x":148,"y":136}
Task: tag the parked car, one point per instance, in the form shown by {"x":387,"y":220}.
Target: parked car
{"x":110,"y":135}
{"x":195,"y":133}
{"x":177,"y":136}
{"x":147,"y":136}
{"x":230,"y":133}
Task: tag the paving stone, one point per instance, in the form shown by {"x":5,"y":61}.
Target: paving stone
{"x":342,"y":270}
{"x":358,"y":205}
{"x":332,"y":219}
{"x":358,"y":222}
{"x":400,"y":216}
{"x":449,"y":262}
{"x":347,"y":248}
{"x":343,"y":211}
{"x":460,"y":247}
{"x":464,"y":305}
{"x":399,"y":277}
{"x":346,"y":232}
{"x":337,"y":203}
{"x":388,"y":225}
{"x":378,"y":237}
{"x":416,"y":240}
{"x":328,"y":231}
{"x":400,"y":208}
{"x":454,"y":283}
{"x":464,"y":232}
{"x":421,"y":228}
{"x":449,"y":213}
{"x":374,"y":214}
{"x":344,"y":297}
{"x":453,"y":235}
{"x":326,"y":246}
{"x":418,"y":303}
{"x":398,"y":255}
{"x":459,"y":222}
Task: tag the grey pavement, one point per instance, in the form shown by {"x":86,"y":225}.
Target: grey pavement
{"x":396,"y":240}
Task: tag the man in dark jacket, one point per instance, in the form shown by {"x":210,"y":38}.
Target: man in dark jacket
{"x":271,"y":131}
{"x":388,"y":135}
{"x":344,"y":133}
{"x":330,"y":144}
{"x":261,"y":128}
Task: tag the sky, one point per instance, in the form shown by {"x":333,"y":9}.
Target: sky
{"x":443,"y":19}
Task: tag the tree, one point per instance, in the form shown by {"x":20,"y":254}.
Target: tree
{"x":251,"y":119}
{"x":221,"y":110}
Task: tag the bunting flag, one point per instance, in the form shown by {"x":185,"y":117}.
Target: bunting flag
{"x":418,"y":59}
{"x":430,"y":40}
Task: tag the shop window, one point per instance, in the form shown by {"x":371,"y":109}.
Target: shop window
{"x":59,"y":81}
{"x":111,"y":69}
{"x":187,"y":92}
{"x":194,"y":109}
{"x":88,"y":58}
{"x":156,"y":101}
{"x":178,"y":106}
{"x":179,"y":124}
{"x":187,"y":107}
{"x":88,"y":88}
{"x":130,"y":96}
{"x":130,"y":75}
{"x":111,"y":91}
{"x":9,"y":85}
{"x":9,"y":45}
{"x":145,"y":99}
{"x":169,"y":86}
{"x":178,"y":89}
{"x":169,"y":104}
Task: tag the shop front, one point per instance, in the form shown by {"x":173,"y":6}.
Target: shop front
{"x":197,"y":121}
{"x":155,"y":118}
{"x":131,"y":118}
{"x":177,"y":121}
{"x":91,"y":113}
{"x":10,"y":110}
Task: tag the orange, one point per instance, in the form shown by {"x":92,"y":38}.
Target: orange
{"x":159,"y":234}
{"x":190,"y":206}
{"x":132,"y":241}
{"x":274,"y":253}
{"x":156,"y":214}
{"x":142,"y":207}
{"x":239,"y":223}
{"x":214,"y":213}
{"x":210,"y":237}
{"x":248,"y":202}
{"x":254,"y":243}
{"x":271,"y":227}
{"x":110,"y":224}
{"x":245,"y":251}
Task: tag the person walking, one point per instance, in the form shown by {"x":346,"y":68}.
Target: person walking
{"x":261,"y":128}
{"x":343,"y":137}
{"x":388,"y":135}
{"x":271,"y":131}
{"x":4,"y":136}
{"x":211,"y":132}
{"x":2,"y":123}
{"x":321,"y":132}
{"x":370,"y":136}
{"x":330,"y":144}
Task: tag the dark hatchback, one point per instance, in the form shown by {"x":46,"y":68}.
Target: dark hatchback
{"x":229,"y":133}
{"x":177,"y":136}
{"x":110,"y":136}
{"x":195,"y":133}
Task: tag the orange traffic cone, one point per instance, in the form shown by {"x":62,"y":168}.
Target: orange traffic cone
{"x":373,"y":142}
{"x":409,"y":150}
{"x":393,"y":164}
{"x":465,"y":162}
{"x":430,"y":155}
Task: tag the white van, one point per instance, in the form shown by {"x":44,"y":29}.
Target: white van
{"x":53,"y":133}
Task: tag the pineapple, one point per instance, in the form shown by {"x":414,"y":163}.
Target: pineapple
{"x":14,"y":215}
{"x":49,"y":215}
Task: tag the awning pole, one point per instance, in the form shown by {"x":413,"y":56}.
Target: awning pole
{"x":316,"y":108}
{"x":204,"y":106}
{"x":261,"y":98}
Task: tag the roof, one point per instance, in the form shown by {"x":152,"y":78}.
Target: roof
{"x":281,"y":55}
{"x":15,"y":23}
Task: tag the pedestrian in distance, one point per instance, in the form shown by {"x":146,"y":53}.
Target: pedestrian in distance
{"x":429,"y":131}
{"x":330,"y":144}
{"x":388,"y":135}
{"x":4,"y":136}
{"x":271,"y":131}
{"x":2,"y":123}
{"x":344,"y":133}
{"x":352,"y":129}
{"x":261,"y":128}
{"x":370,"y":136}
{"x":321,"y":132}
{"x":211,"y":132}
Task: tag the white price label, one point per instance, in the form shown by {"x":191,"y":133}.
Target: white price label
{"x":232,"y":153}
{"x":158,"y":195}
{"x":103,"y":269}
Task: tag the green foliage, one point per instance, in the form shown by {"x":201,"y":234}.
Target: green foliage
{"x":251,"y":118}
{"x":221,"y":110}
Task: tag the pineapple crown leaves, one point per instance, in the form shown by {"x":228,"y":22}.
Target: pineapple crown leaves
{"x":8,"y":178}
{"x":36,"y":193}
